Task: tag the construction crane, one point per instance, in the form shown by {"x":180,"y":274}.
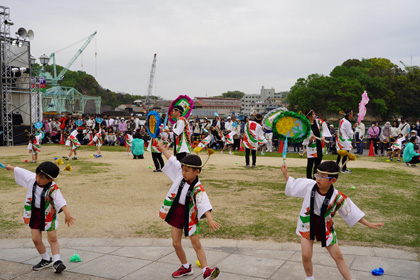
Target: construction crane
{"x":64,"y":99}
{"x":151,"y":80}
{"x":54,"y":80}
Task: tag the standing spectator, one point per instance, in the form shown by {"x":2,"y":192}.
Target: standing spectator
{"x":64,"y":123}
{"x":394,"y":131}
{"x":385,"y":137}
{"x":117,"y":122}
{"x":359,"y":135}
{"x":109,"y":123}
{"x":197,"y":130}
{"x":137,"y":147}
{"x":404,"y":127}
{"x":373,"y":135}
{"x":136,"y":122}
{"x":122,"y":126}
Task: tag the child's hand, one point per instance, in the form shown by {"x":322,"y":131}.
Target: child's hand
{"x":9,"y":167}
{"x":284,"y":171}
{"x":375,"y":225}
{"x":69,"y":220}
{"x":214,"y":225}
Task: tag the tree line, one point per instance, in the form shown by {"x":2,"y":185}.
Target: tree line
{"x":392,"y":91}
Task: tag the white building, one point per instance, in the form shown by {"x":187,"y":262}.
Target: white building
{"x":256,"y":103}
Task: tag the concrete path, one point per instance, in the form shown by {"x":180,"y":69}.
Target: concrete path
{"x":142,"y":258}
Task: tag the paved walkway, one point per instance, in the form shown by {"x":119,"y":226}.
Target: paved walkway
{"x":142,"y":258}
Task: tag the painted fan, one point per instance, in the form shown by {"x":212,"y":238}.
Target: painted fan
{"x":185,"y":102}
{"x":268,"y":119}
{"x":38,"y":125}
{"x":291,"y":126}
{"x":153,"y":122}
{"x":79,"y":122}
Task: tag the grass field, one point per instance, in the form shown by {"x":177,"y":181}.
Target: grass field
{"x":250,"y":203}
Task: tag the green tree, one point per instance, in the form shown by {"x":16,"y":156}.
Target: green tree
{"x":233,"y":94}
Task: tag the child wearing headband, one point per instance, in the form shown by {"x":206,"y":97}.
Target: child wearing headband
{"x":321,"y":201}
{"x":186,"y":203}
{"x":42,"y":204}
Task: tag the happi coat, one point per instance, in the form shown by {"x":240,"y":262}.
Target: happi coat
{"x":182,"y":136}
{"x":35,"y":146}
{"x":54,"y":200}
{"x":253,"y":136}
{"x":199,"y":203}
{"x":98,"y":139}
{"x":72,"y":140}
{"x":339,"y":202}
{"x":128,"y":140}
{"x":344,"y":135}
{"x":235,"y":129}
{"x":311,"y":151}
{"x":153,"y":143}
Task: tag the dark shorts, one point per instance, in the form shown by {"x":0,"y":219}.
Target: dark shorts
{"x":177,"y":219}
{"x":317,"y":222}
{"x":36,"y":218}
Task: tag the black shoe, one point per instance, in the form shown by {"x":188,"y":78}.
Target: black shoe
{"x":156,"y":170}
{"x":59,"y":266}
{"x":42,"y":264}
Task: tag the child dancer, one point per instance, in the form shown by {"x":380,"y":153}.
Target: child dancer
{"x":182,"y":138}
{"x":156,"y":152}
{"x":186,"y":203}
{"x":321,"y":201}
{"x":34,"y":146}
{"x":344,"y":138}
{"x":253,"y":138}
{"x":73,"y":143}
{"x":315,"y":143}
{"x":397,"y":146}
{"x":98,"y":140}
{"x":128,"y":142}
{"x":42,"y":204}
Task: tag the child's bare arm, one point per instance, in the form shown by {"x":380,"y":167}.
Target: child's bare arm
{"x":212,"y":224}
{"x":9,"y":167}
{"x":165,"y":152}
{"x":371,"y":225}
{"x":284,"y":171}
{"x":69,"y":220}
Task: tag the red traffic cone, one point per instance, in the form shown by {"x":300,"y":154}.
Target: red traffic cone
{"x":241,"y":147}
{"x":62,"y":138}
{"x":281,"y":146}
{"x":91,"y":139}
{"x":371,"y":152}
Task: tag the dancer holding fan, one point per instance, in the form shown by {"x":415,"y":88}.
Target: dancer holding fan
{"x":253,"y":138}
{"x":315,"y":143}
{"x":178,"y":113}
{"x":344,"y":139}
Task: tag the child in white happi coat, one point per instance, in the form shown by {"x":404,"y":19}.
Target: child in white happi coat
{"x":98,"y":140}
{"x":73,"y":143}
{"x":42,"y":204}
{"x":186,"y":203}
{"x":321,"y":201}
{"x":397,"y":147}
{"x":128,"y":142}
{"x":34,"y":146}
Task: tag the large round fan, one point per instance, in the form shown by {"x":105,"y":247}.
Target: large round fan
{"x":153,"y":122}
{"x":185,"y":102}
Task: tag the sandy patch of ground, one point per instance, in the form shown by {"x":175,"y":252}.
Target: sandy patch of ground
{"x":118,"y":199}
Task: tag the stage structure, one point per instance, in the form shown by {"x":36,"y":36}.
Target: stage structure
{"x":20,"y":98}
{"x":58,"y":99}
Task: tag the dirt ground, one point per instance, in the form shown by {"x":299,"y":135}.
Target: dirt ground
{"x":125,"y":194}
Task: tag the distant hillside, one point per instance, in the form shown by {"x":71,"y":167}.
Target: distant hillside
{"x":87,"y":85}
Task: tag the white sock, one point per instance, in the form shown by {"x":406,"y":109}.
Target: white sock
{"x":45,"y":256}
{"x":56,"y":257}
{"x":310,"y":278}
{"x":186,"y":266}
{"x":204,"y":269}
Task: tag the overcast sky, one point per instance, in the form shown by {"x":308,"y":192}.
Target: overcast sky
{"x":210,"y":47}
